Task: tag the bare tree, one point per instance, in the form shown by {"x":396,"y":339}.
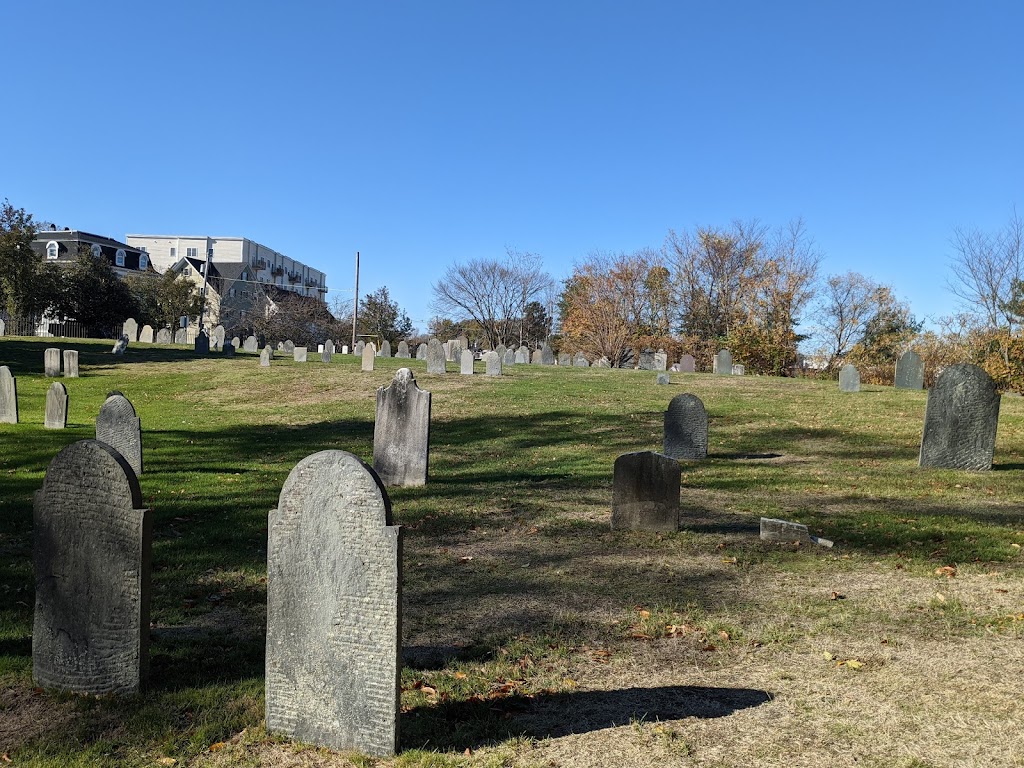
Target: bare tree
{"x":985,"y":265}
{"x":491,"y":292}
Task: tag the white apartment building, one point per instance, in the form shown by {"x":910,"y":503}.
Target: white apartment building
{"x":268,"y":266}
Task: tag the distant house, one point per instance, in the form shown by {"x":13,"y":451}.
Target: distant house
{"x":61,"y":246}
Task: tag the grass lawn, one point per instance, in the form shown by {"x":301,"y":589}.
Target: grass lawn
{"x":533,"y":635}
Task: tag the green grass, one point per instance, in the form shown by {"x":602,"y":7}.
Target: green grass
{"x":518,"y":596}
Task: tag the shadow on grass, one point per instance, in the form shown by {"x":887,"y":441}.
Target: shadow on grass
{"x":26,"y":356}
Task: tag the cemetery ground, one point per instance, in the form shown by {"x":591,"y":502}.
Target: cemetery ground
{"x":533,"y":635}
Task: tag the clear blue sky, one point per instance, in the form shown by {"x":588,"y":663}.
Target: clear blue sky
{"x":422,"y":133}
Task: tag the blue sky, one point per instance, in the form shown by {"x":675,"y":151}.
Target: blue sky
{"x":424,"y":133}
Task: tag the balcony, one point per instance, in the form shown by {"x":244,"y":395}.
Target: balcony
{"x":277,"y":270}
{"x":261,"y":264}
{"x":294,"y":277}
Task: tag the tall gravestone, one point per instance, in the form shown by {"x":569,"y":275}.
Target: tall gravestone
{"x":960,"y":420}
{"x":218,"y":336}
{"x":118,"y":426}
{"x":723,"y":363}
{"x":163,"y":336}
{"x":401,"y":432}
{"x":492,"y":364}
{"x":3,"y":327}
{"x":251,"y":344}
{"x":385,"y":348}
{"x":329,"y":346}
{"x":501,"y":349}
{"x":266,"y":356}
{"x":436,"y":358}
{"x":522,"y":355}
{"x":131,"y":330}
{"x":360,"y":346}
{"x":509,"y":358}
{"x":403,"y":350}
{"x":547,"y":356}
{"x":51,"y":361}
{"x":466,"y":363}
{"x":369,"y":353}
{"x":326,"y":355}
{"x":645,"y":492}
{"x":687,"y":364}
{"x":299,"y":354}
{"x":334,"y":603}
{"x":91,"y":556}
{"x":849,"y":379}
{"x":421,"y":351}
{"x":8,"y":397}
{"x":146,"y":334}
{"x":909,"y":371}
{"x":70,"y":363}
{"x":56,"y":416}
{"x":202,"y":343}
{"x":686,"y":428}
{"x":181,"y":336}
{"x":660,"y":361}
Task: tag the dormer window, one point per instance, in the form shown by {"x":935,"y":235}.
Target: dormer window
{"x":52,"y":250}
{"x":119,"y":257}
{"x":96,"y":251}
{"x":143,"y":260}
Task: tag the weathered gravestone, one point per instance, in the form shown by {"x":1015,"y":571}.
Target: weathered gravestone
{"x":686,"y":428}
{"x":723,"y":363}
{"x":118,"y":426}
{"x":236,"y":342}
{"x":645,"y":492}
{"x":229,"y":349}
{"x":51,"y":361}
{"x":299,"y":354}
{"x":466,"y":363}
{"x":564,"y":358}
{"x":773,"y":529}
{"x":8,"y":397}
{"x":463,"y":341}
{"x":385,"y":349}
{"x":401,"y":431}
{"x":960,"y":420}
{"x":146,"y":334}
{"x":580,"y":361}
{"x":522,"y":355}
{"x":369,"y":353}
{"x":509,"y":358}
{"x":218,"y":336}
{"x":289,"y":347}
{"x":646,"y":362}
{"x":909,"y":371}
{"x":687,"y":364}
{"x":131,"y":329}
{"x":266,"y":356}
{"x":91,"y":543}
{"x":660,"y":361}
{"x":329,"y":346}
{"x":3,"y":327}
{"x":603,"y":362}
{"x":251,"y":344}
{"x":501,"y":349}
{"x":663,"y":378}
{"x":120,"y":346}
{"x":202,"y":344}
{"x":403,"y":350}
{"x":280,"y":346}
{"x":547,"y":356}
{"x":849,"y":379}
{"x":334,"y":583}
{"x":327,"y":354}
{"x":360,"y":346}
{"x":537,"y":358}
{"x":70,"y":363}
{"x":492,"y":364}
{"x":421,"y":352}
{"x":163,"y":336}
{"x":56,"y":416}
{"x":436,"y":358}
{"x":456,"y":351}
{"x":181,"y":336}
{"x":738,"y":370}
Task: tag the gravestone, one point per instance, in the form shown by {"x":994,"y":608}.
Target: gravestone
{"x":686,"y":428}
{"x":146,"y":334}
{"x":334,"y":601}
{"x":91,"y":553}
{"x":538,"y":357}
{"x":163,"y":336}
{"x":250,"y":344}
{"x":70,"y":363}
{"x":56,"y":416}
{"x":547,"y":357}
{"x":509,"y":358}
{"x":280,"y":346}
{"x":218,"y":336}
{"x":421,"y":352}
{"x":202,"y":343}
{"x":463,"y":341}
{"x":456,"y":351}
{"x":466,"y":363}
{"x":723,"y":363}
{"x":329,"y":346}
{"x":385,"y":349}
{"x":436,"y":358}
{"x":738,"y":370}
{"x":564,"y":358}
{"x":580,"y":361}
{"x":120,"y":346}
{"x":229,"y":349}
{"x":181,"y":336}
{"x":645,"y":492}
{"x":236,"y":342}
{"x":960,"y":420}
{"x":403,"y":350}
{"x":131,"y":330}
{"x":849,"y":379}
{"x":288,"y":347}
{"x":3,"y":327}
{"x":360,"y":346}
{"x":492,"y":364}
{"x":646,"y":362}
{"x":501,"y":349}
{"x":369,"y":353}
{"x":325,"y":356}
{"x":909,"y":371}
{"x":663,"y":378}
{"x":660,"y":361}
{"x":51,"y":361}
{"x":522,"y":355}
{"x":266,"y":356}
{"x":118,"y":426}
{"x":773,"y":529}
{"x":299,"y":354}
{"x":344,"y":349}
{"x":8,"y":397}
{"x":687,"y":364}
{"x":401,"y":432}
{"x":602,"y":362}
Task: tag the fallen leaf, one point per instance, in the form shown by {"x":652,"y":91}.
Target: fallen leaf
{"x":645,"y":614}
{"x":828,"y":656}
{"x":949,"y":571}
{"x":167,"y":761}
{"x":724,"y":635}
{"x":460,"y":675}
{"x":940,"y":597}
{"x":851,"y":663}
{"x":218,"y":746}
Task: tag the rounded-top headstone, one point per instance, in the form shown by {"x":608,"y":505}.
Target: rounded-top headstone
{"x":909,"y":371}
{"x":960,"y":420}
{"x":686,"y":428}
{"x":8,"y":397}
{"x":436,"y":357}
{"x":118,"y":425}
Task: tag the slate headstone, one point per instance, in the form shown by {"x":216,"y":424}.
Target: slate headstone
{"x":849,"y":379}
{"x":687,"y":364}
{"x":401,"y":432}
{"x":70,"y":363}
{"x":686,"y":428}
{"x":909,"y":371}
{"x":436,"y":358}
{"x":492,"y":364}
{"x":163,"y":336}
{"x":146,"y":334}
{"x":403,"y":350}
{"x":334,"y":602}
{"x":91,"y":556}
{"x":646,"y":362}
{"x":56,"y":416}
{"x":266,"y":356}
{"x":51,"y":361}
{"x":960,"y":420}
{"x":229,"y":349}
{"x":385,"y":349}
{"x":8,"y":397}
{"x":299,"y":354}
{"x":369,"y":353}
{"x":250,"y":344}
{"x":466,"y":363}
{"x":547,"y":356}
{"x":118,"y":426}
{"x":131,"y":330}
{"x":202,"y":343}
{"x":723,"y":363}
{"x":645,"y":492}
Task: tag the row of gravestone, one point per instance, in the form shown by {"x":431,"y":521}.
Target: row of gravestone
{"x":909,"y":374}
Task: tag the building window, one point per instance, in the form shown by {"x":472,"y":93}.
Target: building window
{"x":52,"y":249}
{"x":192,"y":253}
{"x":119,"y":257}
{"x":174,"y":252}
{"x":97,"y":251}
{"x":186,"y":271}
{"x":143,"y":260}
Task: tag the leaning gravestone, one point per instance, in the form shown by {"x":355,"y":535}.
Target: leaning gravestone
{"x":91,"y":556}
{"x":401,"y":432}
{"x":849,"y":379}
{"x":360,"y":346}
{"x":547,"y":357}
{"x":645,"y":492}
{"x":369,"y":353}
{"x":723,"y":363}
{"x":385,"y":348}
{"x":146,"y":334}
{"x":51,"y":361}
{"x":163,"y":336}
{"x":509,"y":358}
{"x":70,"y":363}
{"x":960,"y":420}
{"x":686,"y":428}
{"x":436,"y":357}
{"x":421,"y":352}
{"x":466,"y":363}
{"x":580,"y":361}
{"x":403,"y":350}
{"x":564,"y":358}
{"x":202,"y":343}
{"x":299,"y":354}
{"x":522,"y":355}
{"x":334,"y":602}
{"x":603,"y":362}
{"x":909,"y":371}
{"x":492,"y":364}
{"x":8,"y":397}
{"x":120,"y":346}
{"x":266,"y":356}
{"x":660,"y":361}
{"x":229,"y":349}
{"x":250,"y":344}
{"x":118,"y":426}
{"x":56,"y":416}
{"x":181,"y":336}
{"x":687,"y":364}
{"x":131,"y":330}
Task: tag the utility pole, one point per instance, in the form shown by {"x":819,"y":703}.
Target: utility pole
{"x":202,"y":295}
{"x":355,"y":304}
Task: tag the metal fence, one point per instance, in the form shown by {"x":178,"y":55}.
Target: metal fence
{"x":72,"y":329}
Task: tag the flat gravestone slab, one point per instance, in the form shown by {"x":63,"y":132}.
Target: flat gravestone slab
{"x":687,"y":364}
{"x":686,"y":428}
{"x":250,"y":344}
{"x":91,"y":556}
{"x":909,"y":371}
{"x":492,"y":364}
{"x":436,"y":358}
{"x":266,"y":356}
{"x":547,"y":356}
{"x":960,"y":420}
{"x":8,"y":396}
{"x":401,"y":432}
{"x":403,"y":351}
{"x":131,"y":330}
{"x":146,"y":334}
{"x":299,"y":354}
{"x":645,"y":492}
{"x":334,"y":602}
{"x":849,"y":379}
{"x":723,"y":363}
{"x":369,"y":353}
{"x":51,"y":361}
{"x":163,"y":336}
{"x":56,"y":416}
{"x":118,"y":426}
{"x":466,"y":363}
{"x":783,"y":530}
{"x":70,"y":363}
